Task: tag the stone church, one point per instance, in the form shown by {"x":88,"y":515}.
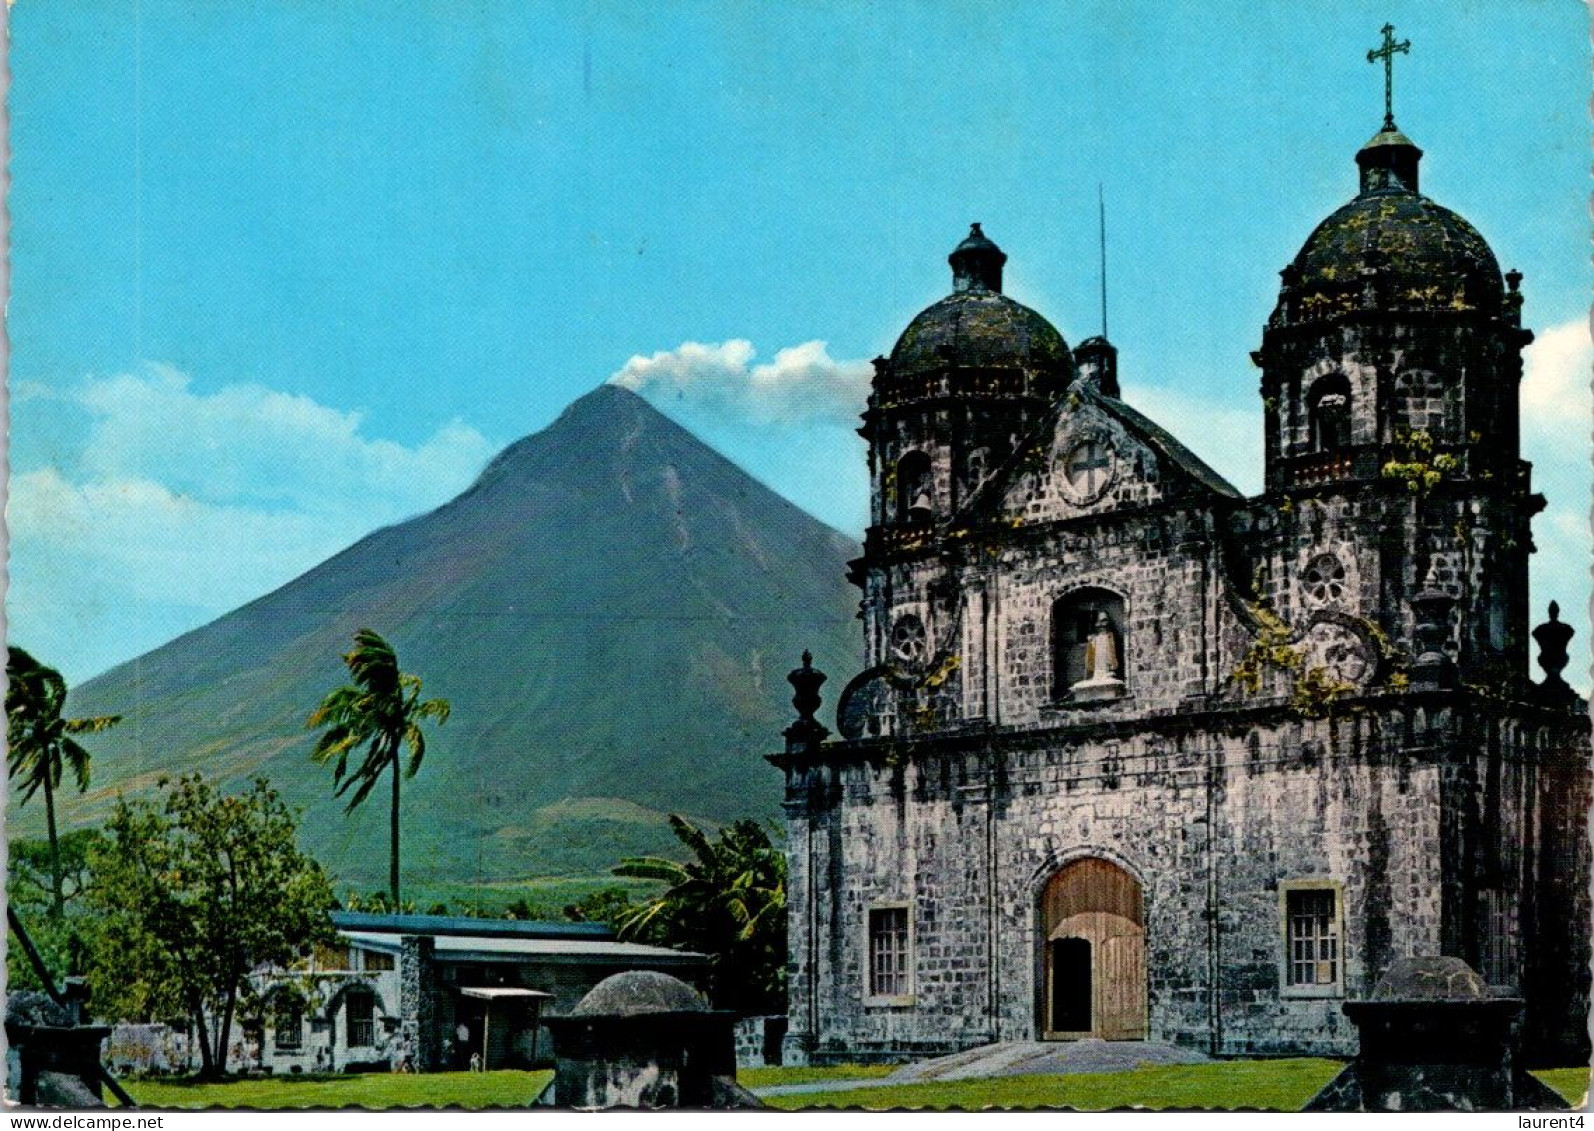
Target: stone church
{"x":1134,"y":756}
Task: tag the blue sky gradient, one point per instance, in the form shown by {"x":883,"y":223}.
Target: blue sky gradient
{"x":286,"y":272}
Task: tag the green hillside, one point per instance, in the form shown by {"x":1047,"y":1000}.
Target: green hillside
{"x":611,"y":608}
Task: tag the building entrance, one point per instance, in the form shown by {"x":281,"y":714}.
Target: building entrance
{"x":1093,"y":951}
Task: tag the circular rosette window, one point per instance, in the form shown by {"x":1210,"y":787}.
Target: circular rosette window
{"x":1323,"y":581}
{"x":1344,"y":654}
{"x":909,"y":645}
{"x":1089,"y":468}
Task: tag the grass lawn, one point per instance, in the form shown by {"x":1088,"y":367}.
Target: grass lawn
{"x":770,"y":1077}
{"x":1572,"y":1083}
{"x":1277,"y":1085}
{"x":372,"y":1089}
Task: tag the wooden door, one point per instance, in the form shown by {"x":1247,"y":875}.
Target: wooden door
{"x":1092,"y":913}
{"x":1121,"y":1007}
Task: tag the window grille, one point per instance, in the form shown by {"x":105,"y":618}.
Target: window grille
{"x":288,"y":1027}
{"x":888,"y":952}
{"x":360,"y":1008}
{"x":376,"y":961}
{"x":1312,"y":938}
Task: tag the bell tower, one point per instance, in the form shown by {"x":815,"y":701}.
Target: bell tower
{"x":964,"y":381}
{"x":1390,"y":375}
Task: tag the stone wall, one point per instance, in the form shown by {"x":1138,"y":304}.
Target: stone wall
{"x":1212,"y":815}
{"x":758,"y":1041}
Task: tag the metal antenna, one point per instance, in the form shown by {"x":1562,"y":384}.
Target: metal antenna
{"x":1101,"y":209}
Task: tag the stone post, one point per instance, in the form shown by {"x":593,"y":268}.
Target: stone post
{"x":417,"y":1002}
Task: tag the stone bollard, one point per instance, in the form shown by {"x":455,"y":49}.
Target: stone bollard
{"x":1432,"y":1039}
{"x":643,"y":1039}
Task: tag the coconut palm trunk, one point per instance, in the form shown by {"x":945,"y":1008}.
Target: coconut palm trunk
{"x":381,"y":713}
{"x":57,"y":883}
{"x":393,"y":829}
{"x":41,"y":744}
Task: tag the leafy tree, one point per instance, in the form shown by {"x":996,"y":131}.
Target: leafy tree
{"x":606,"y":905}
{"x":728,"y":901}
{"x":381,"y":711}
{"x":63,"y":940}
{"x":41,"y":744}
{"x":193,"y":895}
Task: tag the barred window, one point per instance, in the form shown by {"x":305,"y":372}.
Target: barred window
{"x":360,"y":1009}
{"x":1496,"y":949}
{"x":288,"y":1026}
{"x":1312,"y":937}
{"x":376,"y":961}
{"x":888,"y":952}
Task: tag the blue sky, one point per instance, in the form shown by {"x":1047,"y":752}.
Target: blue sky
{"x":283,"y":273}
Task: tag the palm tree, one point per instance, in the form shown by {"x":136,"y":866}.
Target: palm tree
{"x":41,"y":745}
{"x":381,"y":711}
{"x":729,"y":902}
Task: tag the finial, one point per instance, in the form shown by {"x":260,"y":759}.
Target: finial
{"x":1513,"y":279}
{"x":1387,"y":53}
{"x":977,"y":263}
{"x":805,"y":681}
{"x":1553,"y":637}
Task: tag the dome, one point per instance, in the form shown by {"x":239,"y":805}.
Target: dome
{"x":977,"y":326}
{"x":1418,"y":255}
{"x":639,"y":991}
{"x":983,"y":329}
{"x":1430,"y":979}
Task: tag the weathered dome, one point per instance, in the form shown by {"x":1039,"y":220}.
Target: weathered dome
{"x":977,"y":326}
{"x":1430,"y":978}
{"x":639,"y":991}
{"x":979,"y":329}
{"x":1416,"y":254}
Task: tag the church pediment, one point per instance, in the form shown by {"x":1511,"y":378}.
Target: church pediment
{"x":1093,"y":454}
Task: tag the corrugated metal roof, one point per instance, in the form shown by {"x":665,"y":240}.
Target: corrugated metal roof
{"x":592,"y":951}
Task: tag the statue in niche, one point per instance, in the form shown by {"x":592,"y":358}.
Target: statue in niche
{"x":1101,"y":663}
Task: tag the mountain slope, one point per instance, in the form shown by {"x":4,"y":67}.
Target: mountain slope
{"x":611,"y":609}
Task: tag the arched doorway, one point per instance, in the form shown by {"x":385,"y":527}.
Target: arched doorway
{"x":1093,"y":953}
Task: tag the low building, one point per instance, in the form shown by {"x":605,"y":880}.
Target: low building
{"x":434,"y":991}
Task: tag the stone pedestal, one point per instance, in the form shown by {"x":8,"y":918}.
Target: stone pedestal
{"x":1096,"y":690}
{"x":57,"y":1059}
{"x":1433,"y":1040}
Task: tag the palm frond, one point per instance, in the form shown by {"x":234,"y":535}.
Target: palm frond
{"x":78,"y":758}
{"x":96,"y":725}
{"x":416,"y":741}
{"x":692,"y":836}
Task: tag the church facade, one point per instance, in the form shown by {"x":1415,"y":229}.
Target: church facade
{"x":1134,"y":756}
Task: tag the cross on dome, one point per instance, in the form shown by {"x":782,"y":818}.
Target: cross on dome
{"x":1387,"y":53}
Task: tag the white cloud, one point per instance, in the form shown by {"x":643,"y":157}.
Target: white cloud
{"x":1555,"y":378}
{"x":803,"y":383}
{"x":176,"y":506}
{"x":249,"y":442}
